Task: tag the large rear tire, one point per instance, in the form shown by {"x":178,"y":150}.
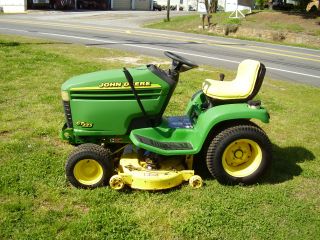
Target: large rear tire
{"x":239,"y":154}
{"x":89,"y":166}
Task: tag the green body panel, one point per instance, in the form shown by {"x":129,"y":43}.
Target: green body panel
{"x":103,"y":104}
{"x":203,"y":122}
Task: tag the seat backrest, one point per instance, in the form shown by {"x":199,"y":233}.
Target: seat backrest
{"x":244,"y":87}
{"x":250,"y":76}
{"x":259,"y":80}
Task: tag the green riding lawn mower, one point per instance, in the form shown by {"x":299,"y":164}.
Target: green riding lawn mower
{"x":115,"y":118}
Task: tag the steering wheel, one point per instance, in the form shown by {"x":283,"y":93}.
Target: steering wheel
{"x":178,"y":61}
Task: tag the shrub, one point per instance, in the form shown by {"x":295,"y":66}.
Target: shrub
{"x":260,"y":4}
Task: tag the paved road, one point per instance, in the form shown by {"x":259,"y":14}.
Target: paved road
{"x":121,"y":30}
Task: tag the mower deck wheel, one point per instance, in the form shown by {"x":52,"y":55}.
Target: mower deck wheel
{"x":239,"y":154}
{"x":116,"y":182}
{"x":89,"y":166}
{"x":195,"y":181}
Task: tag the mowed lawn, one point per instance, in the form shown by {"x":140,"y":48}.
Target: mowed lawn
{"x":36,"y":202}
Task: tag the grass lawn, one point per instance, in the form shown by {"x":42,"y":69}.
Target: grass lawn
{"x":261,"y":20}
{"x":36,"y":202}
{"x":190,"y":23}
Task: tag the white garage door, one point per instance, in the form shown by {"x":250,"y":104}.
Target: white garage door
{"x":121,"y":4}
{"x":142,"y":5}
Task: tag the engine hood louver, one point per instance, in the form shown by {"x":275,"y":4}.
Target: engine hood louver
{"x":125,"y":94}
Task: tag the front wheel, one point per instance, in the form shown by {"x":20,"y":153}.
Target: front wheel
{"x":239,"y":154}
{"x":89,"y":166}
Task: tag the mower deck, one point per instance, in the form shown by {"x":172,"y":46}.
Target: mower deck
{"x":137,"y":174}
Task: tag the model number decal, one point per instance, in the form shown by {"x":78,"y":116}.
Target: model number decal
{"x":84,"y":124}
{"x":123,"y":84}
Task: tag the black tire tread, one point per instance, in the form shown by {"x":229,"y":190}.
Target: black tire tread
{"x":211,"y":156}
{"x":96,"y":152}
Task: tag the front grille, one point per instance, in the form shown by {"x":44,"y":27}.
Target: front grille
{"x":67,"y":112}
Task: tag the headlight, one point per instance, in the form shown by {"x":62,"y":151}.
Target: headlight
{"x":67,"y":108}
{"x":65,"y":96}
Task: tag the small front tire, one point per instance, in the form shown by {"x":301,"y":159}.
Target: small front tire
{"x":89,"y":167}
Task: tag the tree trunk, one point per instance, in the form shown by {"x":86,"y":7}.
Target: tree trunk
{"x":206,"y":3}
{"x":168,"y":10}
{"x":212,"y":7}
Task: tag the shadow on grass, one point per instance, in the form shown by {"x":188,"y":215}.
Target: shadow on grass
{"x":304,"y":15}
{"x":128,"y":190}
{"x":285,"y":163}
{"x":253,"y":13}
{"x":313,"y":14}
{"x":283,"y":168}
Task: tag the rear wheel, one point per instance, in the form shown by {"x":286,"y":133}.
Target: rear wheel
{"x":89,"y":166}
{"x":239,"y":154}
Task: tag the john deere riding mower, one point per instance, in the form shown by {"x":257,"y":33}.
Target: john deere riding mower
{"x":115,"y":118}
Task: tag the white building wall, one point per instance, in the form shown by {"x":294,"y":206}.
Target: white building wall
{"x":13,"y":6}
{"x":183,"y":3}
{"x":231,"y":5}
{"x":164,"y":2}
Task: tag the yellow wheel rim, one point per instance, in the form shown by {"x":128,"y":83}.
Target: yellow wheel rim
{"x":241,"y":158}
{"x":88,"y":171}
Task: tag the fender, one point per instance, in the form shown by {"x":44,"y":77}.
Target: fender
{"x":207,"y":120}
{"x":216,"y":115}
{"x":205,"y":123}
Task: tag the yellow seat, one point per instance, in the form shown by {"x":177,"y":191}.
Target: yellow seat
{"x":244,"y":87}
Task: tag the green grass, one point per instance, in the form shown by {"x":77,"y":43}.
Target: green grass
{"x":36,"y":202}
{"x":191,"y":24}
{"x":177,"y":22}
{"x":317,"y":33}
{"x":289,"y":27}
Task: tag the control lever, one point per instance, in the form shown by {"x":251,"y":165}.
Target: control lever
{"x":221,"y":76}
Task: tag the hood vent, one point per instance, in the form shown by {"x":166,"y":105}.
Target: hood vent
{"x":125,"y":94}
